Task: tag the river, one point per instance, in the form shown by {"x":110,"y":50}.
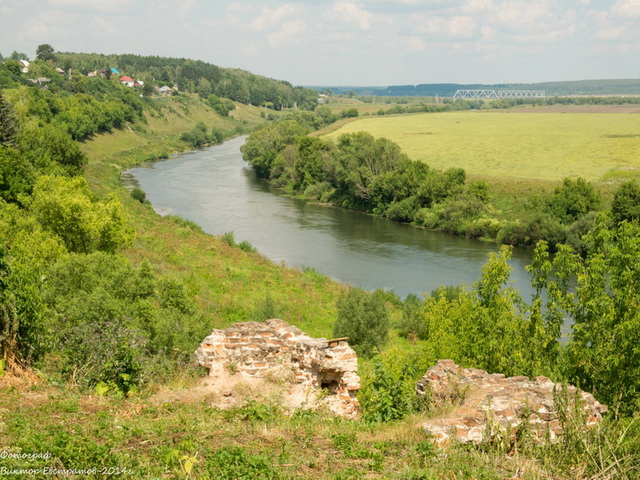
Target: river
{"x":217,"y":190}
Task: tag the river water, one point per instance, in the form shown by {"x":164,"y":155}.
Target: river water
{"x":217,"y":190}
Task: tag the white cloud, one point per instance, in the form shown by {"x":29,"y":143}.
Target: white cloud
{"x":270,"y":18}
{"x":626,"y":9}
{"x":450,"y":27}
{"x":287,"y":33}
{"x":416,"y":44}
{"x":478,"y":6}
{"x":350,"y":13}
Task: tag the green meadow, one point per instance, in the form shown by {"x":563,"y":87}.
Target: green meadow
{"x":542,"y":146}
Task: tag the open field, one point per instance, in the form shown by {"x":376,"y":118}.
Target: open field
{"x":544,"y":146}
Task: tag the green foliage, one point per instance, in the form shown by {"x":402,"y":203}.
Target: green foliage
{"x":348,"y":444}
{"x":359,"y":172}
{"x":45,"y":52}
{"x":196,"y":76}
{"x":263,"y":147}
{"x":388,"y":390}
{"x":222,"y":106}
{"x":52,"y":150}
{"x":197,"y":137}
{"x":66,"y":208}
{"x":412,"y":323}
{"x":106,"y":352}
{"x":235,"y":463}
{"x":8,"y":123}
{"x":8,"y":317}
{"x":603,"y":351}
{"x":572,"y":200}
{"x":118,"y":324}
{"x":349,"y":113}
{"x":626,"y":203}
{"x":138,"y":194}
{"x":363,"y":317}
{"x":17,"y":175}
{"x":254,"y":411}
{"x":490,"y":327}
{"x":229,"y":238}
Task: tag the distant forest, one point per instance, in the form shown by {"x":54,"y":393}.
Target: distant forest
{"x":581,"y":87}
{"x":193,"y":76}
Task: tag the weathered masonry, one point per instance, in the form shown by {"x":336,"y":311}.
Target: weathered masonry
{"x":328,"y":368}
{"x":490,"y":405}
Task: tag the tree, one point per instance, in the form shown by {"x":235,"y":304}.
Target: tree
{"x":362,"y":158}
{"x":626,"y":203}
{"x":147,"y":85}
{"x":308,"y":168}
{"x":363,"y":317}
{"x":19,"y":56}
{"x":572,"y":200}
{"x":66,"y":208}
{"x":603,"y":305}
{"x":263,"y":146}
{"x":45,"y":52}
{"x":8,"y":123}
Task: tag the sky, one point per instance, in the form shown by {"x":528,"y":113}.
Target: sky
{"x":349,"y":43}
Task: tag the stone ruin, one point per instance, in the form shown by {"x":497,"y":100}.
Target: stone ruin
{"x":327,"y":368}
{"x":484,"y":406}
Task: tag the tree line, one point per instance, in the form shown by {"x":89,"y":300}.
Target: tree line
{"x":65,"y":286}
{"x":363,"y":173}
{"x":196,"y":76}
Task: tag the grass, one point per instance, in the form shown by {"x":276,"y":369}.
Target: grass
{"x":538,"y":146}
{"x":138,"y":438}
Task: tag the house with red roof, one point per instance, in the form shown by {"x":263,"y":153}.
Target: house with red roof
{"x":128,"y":81}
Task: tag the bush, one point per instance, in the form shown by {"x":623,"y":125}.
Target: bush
{"x":388,"y":391}
{"x":138,"y":194}
{"x":572,"y":200}
{"x":403,"y":210}
{"x":319,"y":191}
{"x":412,"y":322}
{"x":363,"y":317}
{"x":626,"y":203}
{"x":106,"y":352}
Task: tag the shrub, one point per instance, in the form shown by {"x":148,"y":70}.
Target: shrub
{"x":388,"y":391}
{"x":626,"y":203}
{"x":363,"y":317}
{"x":412,"y":321}
{"x":572,"y":200}
{"x":138,"y":194}
{"x":403,"y":210}
{"x":106,"y":352}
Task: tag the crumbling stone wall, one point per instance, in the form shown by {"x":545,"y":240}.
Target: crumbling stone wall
{"x":257,"y":349}
{"x":487,"y":405}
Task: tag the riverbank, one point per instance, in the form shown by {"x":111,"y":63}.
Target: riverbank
{"x":215,"y":189}
{"x":228,"y":283}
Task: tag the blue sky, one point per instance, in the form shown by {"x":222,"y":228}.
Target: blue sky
{"x":366,"y":42}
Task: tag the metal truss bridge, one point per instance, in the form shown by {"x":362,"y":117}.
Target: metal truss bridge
{"x":497,"y":94}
